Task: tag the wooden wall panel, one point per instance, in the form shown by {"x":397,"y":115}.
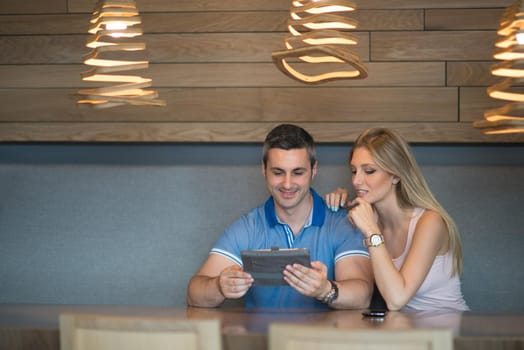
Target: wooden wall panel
{"x":33,"y":6}
{"x":474,"y":101}
{"x":233,"y":132}
{"x":223,"y":75}
{"x":192,"y":5}
{"x":392,"y":19}
{"x":428,"y":63}
{"x":43,"y":24}
{"x":247,"y":105}
{"x":206,"y":22}
{"x":223,"y":47}
{"x":429,"y":4}
{"x":265,"y":75}
{"x":470,"y":74}
{"x":161,"y":48}
{"x":44,"y":49}
{"x":274,"y":5}
{"x":462,"y":19}
{"x":432,"y":45}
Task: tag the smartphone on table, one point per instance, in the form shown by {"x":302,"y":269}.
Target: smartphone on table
{"x":375,"y":313}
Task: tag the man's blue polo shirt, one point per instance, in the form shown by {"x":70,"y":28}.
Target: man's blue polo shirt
{"x":328,"y":235}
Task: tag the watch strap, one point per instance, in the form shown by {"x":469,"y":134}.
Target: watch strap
{"x":332,"y":295}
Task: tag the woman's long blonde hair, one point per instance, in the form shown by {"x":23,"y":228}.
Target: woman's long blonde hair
{"x":393,"y":154}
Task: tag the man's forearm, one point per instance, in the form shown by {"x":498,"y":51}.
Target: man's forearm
{"x":353,"y":294}
{"x":204,"y":291}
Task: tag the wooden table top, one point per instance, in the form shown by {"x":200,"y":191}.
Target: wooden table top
{"x":239,"y":324}
{"x":257,"y":320}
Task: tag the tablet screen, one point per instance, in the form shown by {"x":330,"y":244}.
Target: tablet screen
{"x":266,"y":265}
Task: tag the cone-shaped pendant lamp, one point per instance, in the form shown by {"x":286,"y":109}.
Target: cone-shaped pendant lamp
{"x":318,"y":47}
{"x":510,"y":51}
{"x":115,"y":25}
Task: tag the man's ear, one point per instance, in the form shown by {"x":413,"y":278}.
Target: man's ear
{"x":314,"y":170}
{"x":263,"y":168}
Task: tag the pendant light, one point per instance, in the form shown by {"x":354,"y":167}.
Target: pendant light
{"x":115,"y":24}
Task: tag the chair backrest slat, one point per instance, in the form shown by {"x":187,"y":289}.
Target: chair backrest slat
{"x":103,"y":332}
{"x":309,"y":337}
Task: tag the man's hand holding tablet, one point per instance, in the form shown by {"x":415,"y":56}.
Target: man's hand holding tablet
{"x":266,"y":265}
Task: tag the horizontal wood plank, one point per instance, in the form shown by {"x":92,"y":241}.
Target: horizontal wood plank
{"x":474,"y":101}
{"x":271,"y":21}
{"x":223,"y":75}
{"x":470,"y":74}
{"x":206,"y":22}
{"x":245,"y":104}
{"x":275,"y":5}
{"x":267,"y":75}
{"x":462,"y":19}
{"x":420,"y":46}
{"x":32,"y":6}
{"x":44,"y":24}
{"x":234,"y":132}
{"x":428,"y":4}
{"x":191,"y":5}
{"x":160,"y":48}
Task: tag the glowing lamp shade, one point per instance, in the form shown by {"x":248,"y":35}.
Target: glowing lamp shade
{"x":509,"y":50}
{"x":318,"y":47}
{"x":114,"y":26}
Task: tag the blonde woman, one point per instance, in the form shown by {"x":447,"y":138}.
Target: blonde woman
{"x":413,"y":243}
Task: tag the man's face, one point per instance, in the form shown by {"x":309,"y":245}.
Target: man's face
{"x":288,"y":176}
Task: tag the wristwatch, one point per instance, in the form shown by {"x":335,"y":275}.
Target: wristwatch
{"x":332,"y":295}
{"x":374,"y":240}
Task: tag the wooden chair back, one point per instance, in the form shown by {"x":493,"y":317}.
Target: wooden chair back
{"x":103,"y":332}
{"x":309,"y":337}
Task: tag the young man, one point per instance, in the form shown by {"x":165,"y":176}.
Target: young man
{"x":293,"y":217}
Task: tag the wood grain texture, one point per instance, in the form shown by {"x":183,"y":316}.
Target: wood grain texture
{"x":470,"y":74}
{"x":275,"y":5}
{"x":235,"y":132}
{"x":476,"y":330}
{"x":33,"y":6}
{"x":223,"y":75}
{"x":205,"y":22}
{"x":428,"y":63}
{"x":429,"y":45}
{"x":474,"y":101}
{"x":44,"y":24}
{"x":161,"y":48}
{"x":432,"y":104}
{"x":462,"y":19}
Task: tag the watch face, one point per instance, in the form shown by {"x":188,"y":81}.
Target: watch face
{"x":375,"y":239}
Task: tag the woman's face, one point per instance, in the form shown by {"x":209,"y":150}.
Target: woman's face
{"x":371,"y":182}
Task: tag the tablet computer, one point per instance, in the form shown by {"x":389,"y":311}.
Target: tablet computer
{"x":266,"y":265}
